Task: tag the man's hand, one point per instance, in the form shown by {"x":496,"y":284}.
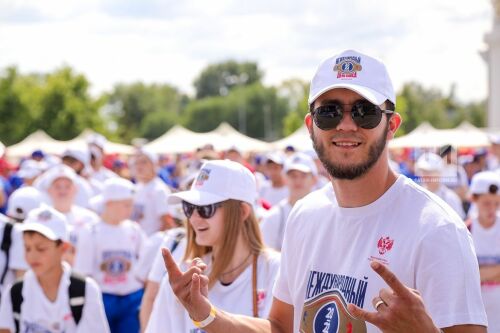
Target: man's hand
{"x":190,"y":287}
{"x":398,"y":308}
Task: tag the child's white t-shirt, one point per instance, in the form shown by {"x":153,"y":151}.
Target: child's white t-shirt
{"x":168,"y":314}
{"x":327,"y":251}
{"x":487,"y":244}
{"x":109,"y":254}
{"x":174,"y":236}
{"x":79,"y":217}
{"x":150,"y":204}
{"x":273,"y":195}
{"x":273,"y":224}
{"x":39,"y":314}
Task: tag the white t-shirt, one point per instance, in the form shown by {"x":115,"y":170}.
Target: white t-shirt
{"x":109,"y":254}
{"x":103,"y":174}
{"x":273,"y":224}
{"x":150,"y":204}
{"x":487,"y":244}
{"x":454,"y":175}
{"x":39,"y":314}
{"x":273,"y":195}
{"x":168,"y":315}
{"x":152,"y":247}
{"x":452,"y":199}
{"x":327,"y":252}
{"x":174,"y":236}
{"x":79,"y":217}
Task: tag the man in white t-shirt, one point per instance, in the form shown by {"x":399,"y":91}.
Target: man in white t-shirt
{"x":150,"y":202}
{"x":275,"y":189}
{"x":372,"y":252}
{"x":485,"y":230}
{"x":301,"y":173}
{"x":429,"y":168}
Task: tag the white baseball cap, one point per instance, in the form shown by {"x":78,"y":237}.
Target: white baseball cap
{"x":429,"y":162}
{"x":276,"y":157}
{"x":482,"y":182}
{"x":98,"y":140}
{"x":117,"y":188}
{"x":22,"y":201}
{"x":301,"y":162}
{"x":59,"y":171}
{"x":217,"y":181}
{"x":80,"y":154}
{"x":30,"y":169}
{"x":354,"y":71}
{"x":152,"y":156}
{"x":48,"y":222}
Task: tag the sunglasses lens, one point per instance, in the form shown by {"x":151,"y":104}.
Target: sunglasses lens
{"x":206,"y":211}
{"x":366,"y":115}
{"x":187,"y":208}
{"x":328,"y":116}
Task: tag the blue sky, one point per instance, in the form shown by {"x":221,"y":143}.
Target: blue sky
{"x":435,"y":43}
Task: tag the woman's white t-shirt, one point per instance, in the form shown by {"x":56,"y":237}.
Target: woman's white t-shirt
{"x":39,"y":314}
{"x":109,"y":254}
{"x":168,"y":315}
{"x":327,"y":251}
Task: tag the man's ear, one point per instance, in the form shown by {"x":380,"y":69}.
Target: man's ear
{"x":308,"y":120}
{"x":394,"y":122}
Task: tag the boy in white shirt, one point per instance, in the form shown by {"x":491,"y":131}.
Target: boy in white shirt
{"x":109,"y":252}
{"x":45,"y":301}
{"x":485,"y":230}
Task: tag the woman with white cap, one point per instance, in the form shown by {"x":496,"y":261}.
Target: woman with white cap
{"x":223,"y":238}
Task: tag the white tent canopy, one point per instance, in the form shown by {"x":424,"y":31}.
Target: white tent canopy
{"x":181,"y":140}
{"x":299,"y":139}
{"x":426,"y":136}
{"x":41,"y":140}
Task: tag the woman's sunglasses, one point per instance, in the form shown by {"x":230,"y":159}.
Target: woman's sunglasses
{"x":364,"y":114}
{"x":205,"y":212}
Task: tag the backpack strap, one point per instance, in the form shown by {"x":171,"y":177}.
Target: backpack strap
{"x":5,"y":247}
{"x":77,"y":295}
{"x":176,"y":241}
{"x":16,"y":298}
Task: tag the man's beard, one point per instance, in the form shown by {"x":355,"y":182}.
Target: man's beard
{"x":350,"y":172}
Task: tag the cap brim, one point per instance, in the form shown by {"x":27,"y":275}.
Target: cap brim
{"x":299,"y":167}
{"x":40,"y":228}
{"x":198,"y":198}
{"x":370,"y":94}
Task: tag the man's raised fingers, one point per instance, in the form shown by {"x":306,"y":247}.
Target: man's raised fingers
{"x":390,"y":278}
{"x":173,"y":270}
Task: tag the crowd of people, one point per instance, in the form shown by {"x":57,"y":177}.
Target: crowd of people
{"x":152,"y":243}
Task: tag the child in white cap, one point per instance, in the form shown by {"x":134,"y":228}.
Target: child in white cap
{"x":62,"y":191}
{"x":109,"y":251}
{"x":301,"y":174}
{"x":50,"y":298}
{"x":150,"y":202}
{"x":485,"y":230}
{"x":224,"y":233}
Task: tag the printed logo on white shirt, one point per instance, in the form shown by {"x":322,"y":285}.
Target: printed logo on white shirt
{"x":115,"y":265}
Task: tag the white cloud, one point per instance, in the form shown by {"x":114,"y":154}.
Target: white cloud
{"x":111,"y":41}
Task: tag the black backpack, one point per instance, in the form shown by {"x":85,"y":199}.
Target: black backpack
{"x":5,"y":247}
{"x":76,"y":298}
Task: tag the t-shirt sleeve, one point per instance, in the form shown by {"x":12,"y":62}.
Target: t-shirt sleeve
{"x":446,"y":263}
{"x":84,"y":258}
{"x":93,"y":315}
{"x":269,"y":228}
{"x":282,"y":289}
{"x":17,"y":260}
{"x":6,"y":316}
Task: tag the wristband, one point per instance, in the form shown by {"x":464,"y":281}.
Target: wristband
{"x":207,"y":321}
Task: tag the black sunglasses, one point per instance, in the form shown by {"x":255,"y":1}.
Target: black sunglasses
{"x":205,"y":212}
{"x":364,"y":114}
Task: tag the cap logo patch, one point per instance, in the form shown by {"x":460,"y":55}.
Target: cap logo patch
{"x":202,"y":177}
{"x":44,"y":216}
{"x":347,"y":67}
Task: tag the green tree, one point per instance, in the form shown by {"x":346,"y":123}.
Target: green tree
{"x":65,"y":105}
{"x":295,"y":91}
{"x":219,"y":79}
{"x":141,"y":110}
{"x":255,"y":110}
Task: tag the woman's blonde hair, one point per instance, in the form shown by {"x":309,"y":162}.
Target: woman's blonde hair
{"x":233,"y":226}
